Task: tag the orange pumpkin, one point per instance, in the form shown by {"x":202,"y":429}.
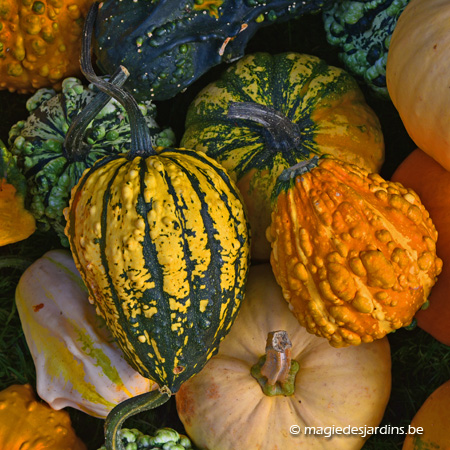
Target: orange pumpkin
{"x":433,"y":421}
{"x":431,"y":181}
{"x":40,"y":42}
{"x":26,"y":423}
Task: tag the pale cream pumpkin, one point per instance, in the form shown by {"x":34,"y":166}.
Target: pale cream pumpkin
{"x":77,"y":361}
{"x":224,"y":407}
{"x":417,"y":71}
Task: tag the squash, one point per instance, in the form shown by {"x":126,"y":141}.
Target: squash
{"x":39,"y":42}
{"x":416,"y":75}
{"x":354,"y":254}
{"x":51,"y":164}
{"x":429,"y":427}
{"x":26,"y":423}
{"x":431,"y":182}
{"x":161,"y":241}
{"x":165,"y":438}
{"x":166,"y":46}
{"x":77,"y":362}
{"x":267,"y":113}
{"x":16,"y":222}
{"x":242,"y":401}
{"x":362,"y":31}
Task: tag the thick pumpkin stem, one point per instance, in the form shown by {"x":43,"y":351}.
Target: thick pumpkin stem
{"x":278,"y":131}
{"x":75,"y":147}
{"x":141,"y":144}
{"x":276,"y":371}
{"x":128,"y":408}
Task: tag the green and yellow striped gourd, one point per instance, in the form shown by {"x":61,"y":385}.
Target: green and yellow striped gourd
{"x":161,"y":241}
{"x":268,"y":112}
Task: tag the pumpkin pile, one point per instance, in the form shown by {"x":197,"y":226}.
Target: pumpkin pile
{"x":228,"y":274}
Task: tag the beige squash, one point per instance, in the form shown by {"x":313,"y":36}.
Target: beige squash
{"x":224,"y":407}
{"x":417,"y":71}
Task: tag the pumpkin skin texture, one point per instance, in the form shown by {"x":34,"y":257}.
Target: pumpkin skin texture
{"x":362,"y":31}
{"x":77,"y":362}
{"x":417,"y":65}
{"x":28,"y":423}
{"x":224,"y":408}
{"x":434,"y":420}
{"x":162,"y":244}
{"x":431,"y":181}
{"x":40,"y":43}
{"x":39,"y":146}
{"x":322,"y":104}
{"x":16,"y":222}
{"x":355,"y":254}
{"x":168,"y":45}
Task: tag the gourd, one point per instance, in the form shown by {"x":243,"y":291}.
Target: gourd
{"x":431,"y":182}
{"x":433,"y":420}
{"x":241,"y":400}
{"x":16,"y":222}
{"x":266,"y":113}
{"x":27,"y":423}
{"x":165,"y":438}
{"x":39,"y":42}
{"x":77,"y":362}
{"x":161,"y":241}
{"x":166,"y":46}
{"x":53,"y":160}
{"x":416,"y":75}
{"x":362,"y":32}
{"x":354,"y":254}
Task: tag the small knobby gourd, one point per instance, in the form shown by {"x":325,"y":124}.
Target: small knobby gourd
{"x":165,"y":438}
{"x":362,"y":31}
{"x":268,"y":112}
{"x":39,"y":42}
{"x":16,"y":222}
{"x":168,"y":45}
{"x":431,"y":181}
{"x":27,"y":423}
{"x":161,"y":241}
{"x":417,"y":75}
{"x":434,"y":421}
{"x":77,"y":362}
{"x":52,"y":164}
{"x":250,"y":393}
{"x":354,"y":254}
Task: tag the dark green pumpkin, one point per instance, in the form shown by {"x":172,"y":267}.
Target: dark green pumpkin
{"x":362,"y":32}
{"x":43,"y":156}
{"x":268,"y":112}
{"x":161,"y":241}
{"x":166,"y":45}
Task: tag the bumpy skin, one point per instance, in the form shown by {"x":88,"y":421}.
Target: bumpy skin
{"x":38,"y":146}
{"x":27,"y":422}
{"x":354,"y":254}
{"x":167,"y":45}
{"x":162,"y":244}
{"x":362,"y":30}
{"x":323,"y":104}
{"x":165,"y":438}
{"x":40,"y":42}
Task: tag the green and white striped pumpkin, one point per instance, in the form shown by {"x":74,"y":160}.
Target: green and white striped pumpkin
{"x":50,"y":166}
{"x":76,"y":359}
{"x":268,"y":112}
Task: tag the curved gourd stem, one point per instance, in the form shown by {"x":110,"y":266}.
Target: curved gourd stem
{"x":276,"y":370}
{"x":74,"y":146}
{"x":128,"y":408}
{"x":279,"y":132}
{"x":141,"y":144}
